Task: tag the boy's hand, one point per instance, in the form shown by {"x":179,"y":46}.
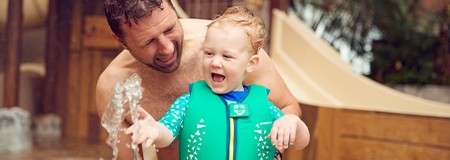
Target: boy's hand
{"x":144,"y":130}
{"x":284,"y":130}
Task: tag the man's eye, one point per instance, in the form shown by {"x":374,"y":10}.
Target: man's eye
{"x":169,"y":30}
{"x":148,"y":42}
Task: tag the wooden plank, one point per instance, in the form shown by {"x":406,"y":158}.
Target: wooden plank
{"x":353,"y":135}
{"x":71,"y":126}
{"x":51,"y":60}
{"x":84,"y":70}
{"x":310,"y":116}
{"x":358,"y":149}
{"x":279,"y":4}
{"x":188,"y":8}
{"x":97,"y":68}
{"x":202,"y":7}
{"x":276,"y":4}
{"x":97,"y":34}
{"x":76,"y":32}
{"x":94,"y":127}
{"x":322,"y":139}
{"x":195,"y":9}
{"x":414,"y":130}
{"x":63,"y":38}
{"x":214,"y":8}
{"x":12,"y":60}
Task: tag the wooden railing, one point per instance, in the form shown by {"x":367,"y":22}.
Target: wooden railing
{"x":207,"y":9}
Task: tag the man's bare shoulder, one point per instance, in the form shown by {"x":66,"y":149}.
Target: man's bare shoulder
{"x":116,"y":71}
{"x":194,"y":32}
{"x":190,"y":25}
{"x":194,"y":28}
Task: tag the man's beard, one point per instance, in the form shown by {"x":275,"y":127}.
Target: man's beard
{"x":174,"y":66}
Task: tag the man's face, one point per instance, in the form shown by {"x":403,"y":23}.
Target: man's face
{"x":156,"y":39}
{"x":226,"y":58}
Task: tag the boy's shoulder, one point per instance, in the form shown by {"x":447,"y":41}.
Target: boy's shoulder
{"x":259,"y":87}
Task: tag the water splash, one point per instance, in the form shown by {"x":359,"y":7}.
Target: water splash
{"x":129,"y":92}
{"x":133,"y":93}
{"x":113,"y":117}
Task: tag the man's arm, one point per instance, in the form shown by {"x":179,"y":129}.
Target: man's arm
{"x":284,"y":129}
{"x":103,"y":95}
{"x":267,"y":75}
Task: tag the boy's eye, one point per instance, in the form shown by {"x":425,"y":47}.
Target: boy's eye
{"x":208,"y":53}
{"x":227,"y":56}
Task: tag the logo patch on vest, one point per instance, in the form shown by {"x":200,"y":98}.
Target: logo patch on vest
{"x":238,"y":110}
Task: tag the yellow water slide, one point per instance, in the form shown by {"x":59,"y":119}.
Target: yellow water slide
{"x":316,"y":75}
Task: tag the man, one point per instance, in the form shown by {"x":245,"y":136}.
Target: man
{"x":165,"y":52}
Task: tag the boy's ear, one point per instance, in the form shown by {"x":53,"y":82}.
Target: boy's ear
{"x":253,"y":63}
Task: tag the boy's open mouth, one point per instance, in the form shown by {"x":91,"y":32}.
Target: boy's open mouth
{"x":216,"y":77}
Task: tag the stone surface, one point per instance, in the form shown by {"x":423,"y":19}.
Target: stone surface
{"x":14,"y":130}
{"x":64,"y":150}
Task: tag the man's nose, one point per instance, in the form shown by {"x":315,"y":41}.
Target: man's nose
{"x":165,"y":46}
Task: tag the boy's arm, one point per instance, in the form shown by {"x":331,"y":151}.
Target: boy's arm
{"x":148,"y":131}
{"x":294,"y":135}
{"x":297,"y":140}
{"x":303,"y":139}
{"x":166,"y":137}
{"x":267,"y":75}
{"x":171,"y":123}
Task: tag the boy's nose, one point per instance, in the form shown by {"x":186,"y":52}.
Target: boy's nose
{"x":216,"y":62}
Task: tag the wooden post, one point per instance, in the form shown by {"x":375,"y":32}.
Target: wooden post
{"x":12,"y":60}
{"x":72,"y":108}
{"x":279,"y":4}
{"x":51,"y":59}
{"x":276,"y":4}
{"x":445,"y":43}
{"x":57,"y":57}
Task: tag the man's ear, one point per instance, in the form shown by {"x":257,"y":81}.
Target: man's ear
{"x":252,"y":63}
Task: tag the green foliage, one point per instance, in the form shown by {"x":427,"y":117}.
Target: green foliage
{"x":401,"y":36}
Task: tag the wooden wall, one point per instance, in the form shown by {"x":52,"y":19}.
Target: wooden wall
{"x":93,"y":51}
{"x":341,"y":134}
{"x":81,"y":48}
{"x":206,"y":9}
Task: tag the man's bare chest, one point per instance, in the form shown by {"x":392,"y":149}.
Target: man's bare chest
{"x":160,"y":92}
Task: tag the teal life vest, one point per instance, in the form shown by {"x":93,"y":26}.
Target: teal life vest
{"x":212,"y":129}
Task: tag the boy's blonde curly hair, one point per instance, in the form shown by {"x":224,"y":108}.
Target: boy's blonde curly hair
{"x":242,"y":17}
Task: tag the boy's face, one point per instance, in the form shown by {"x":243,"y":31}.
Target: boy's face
{"x":226,"y":58}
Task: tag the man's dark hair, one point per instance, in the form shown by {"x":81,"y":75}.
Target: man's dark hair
{"x":119,"y":11}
